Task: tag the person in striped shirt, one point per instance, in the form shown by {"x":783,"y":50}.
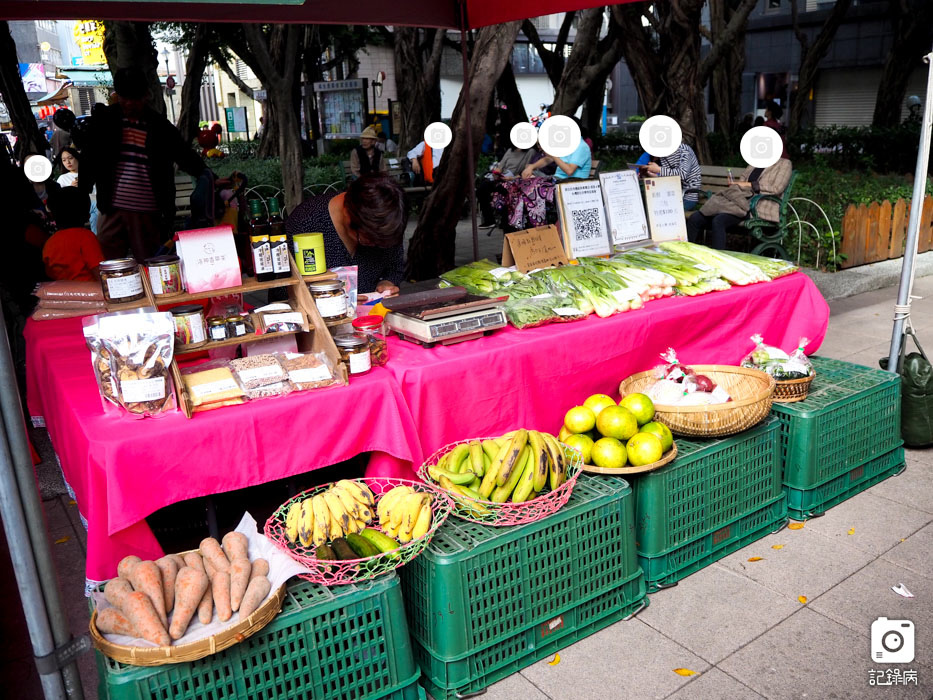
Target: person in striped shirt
{"x":130,"y":151}
{"x":684,"y":164}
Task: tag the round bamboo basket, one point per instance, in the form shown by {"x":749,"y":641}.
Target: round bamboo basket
{"x":792,"y":390}
{"x":751,"y":391}
{"x":666,"y":458}
{"x":180,"y":653}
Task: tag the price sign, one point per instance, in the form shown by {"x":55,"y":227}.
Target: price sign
{"x":624,"y":207}
{"x":665,"y":204}
{"x":533,"y":249}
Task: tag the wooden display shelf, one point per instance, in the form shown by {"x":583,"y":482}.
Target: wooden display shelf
{"x":248,"y":338}
{"x":249,"y":285}
{"x":328,"y":275}
{"x":129,"y":305}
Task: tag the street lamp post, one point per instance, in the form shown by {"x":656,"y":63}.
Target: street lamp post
{"x":168,"y":90}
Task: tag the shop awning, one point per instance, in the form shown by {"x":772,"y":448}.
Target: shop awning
{"x":90,"y":76}
{"x":56,"y":97}
{"x":450,"y":14}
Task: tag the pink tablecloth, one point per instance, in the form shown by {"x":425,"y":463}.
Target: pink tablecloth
{"x":123,"y":470}
{"x":529,"y":378}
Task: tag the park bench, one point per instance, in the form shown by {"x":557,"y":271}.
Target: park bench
{"x":396,"y":172}
{"x":184,"y":186}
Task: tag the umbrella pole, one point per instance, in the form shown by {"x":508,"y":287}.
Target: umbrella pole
{"x":471,"y":164}
{"x":902,"y":308}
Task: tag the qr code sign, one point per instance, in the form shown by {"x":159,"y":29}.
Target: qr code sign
{"x":586,"y":223}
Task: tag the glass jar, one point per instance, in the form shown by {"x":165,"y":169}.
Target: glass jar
{"x":190,"y":331}
{"x":165,"y":275}
{"x":331,"y":299}
{"x":354,"y":350}
{"x":120,"y":280}
{"x":217,"y":328}
{"x":236,"y":326}
{"x":373,"y":327}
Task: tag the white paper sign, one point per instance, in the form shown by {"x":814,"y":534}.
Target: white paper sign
{"x":625,"y":210}
{"x":665,"y":204}
{"x":583,"y":219}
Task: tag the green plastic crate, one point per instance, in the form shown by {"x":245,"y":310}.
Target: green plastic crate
{"x":808,"y":503}
{"x":346,"y":642}
{"x":473,"y":673}
{"x":851,"y":416}
{"x":476,"y":586}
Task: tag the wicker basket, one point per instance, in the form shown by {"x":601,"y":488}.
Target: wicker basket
{"x":792,"y":390}
{"x":751,"y":391}
{"x":181,"y":653}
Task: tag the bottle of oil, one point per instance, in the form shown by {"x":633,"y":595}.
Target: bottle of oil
{"x":278,"y":240}
{"x":259,"y":242}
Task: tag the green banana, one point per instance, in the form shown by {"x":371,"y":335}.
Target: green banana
{"x":502,"y":493}
{"x":519,"y":440}
{"x":469,"y":499}
{"x":456,"y":456}
{"x":474,"y":484}
{"x":456,"y":477}
{"x":540,"y":455}
{"x":490,"y":448}
{"x":489,"y":478}
{"x":476,"y":458}
{"x":525,"y":484}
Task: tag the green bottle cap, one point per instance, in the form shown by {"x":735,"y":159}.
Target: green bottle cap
{"x":255,"y":207}
{"x":273,"y":204}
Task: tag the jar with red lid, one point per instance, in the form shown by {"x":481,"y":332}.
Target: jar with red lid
{"x":373,"y":327}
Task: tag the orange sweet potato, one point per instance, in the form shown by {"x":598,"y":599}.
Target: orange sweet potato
{"x":147,"y":577}
{"x":193,"y":559}
{"x":112,"y":621}
{"x":220,"y":589}
{"x":189,"y":590}
{"x":169,"y":569}
{"x":211,"y":551}
{"x":239,"y":580}
{"x":126,"y":564}
{"x":260,"y":568}
{"x":137,"y":607}
{"x":116,"y":590}
{"x":206,"y":606}
{"x":256,"y":592}
{"x":178,"y":559}
{"x":236,"y":546}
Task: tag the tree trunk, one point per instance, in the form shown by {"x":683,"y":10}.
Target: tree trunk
{"x":14,"y":97}
{"x":130,"y":44}
{"x":913,"y":31}
{"x":726,"y":76}
{"x":191,"y":91}
{"x":433,"y":246}
{"x":810,"y":57}
{"x":419,"y":60}
{"x":509,"y":95}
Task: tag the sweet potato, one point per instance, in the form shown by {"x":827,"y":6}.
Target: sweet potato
{"x":178,"y":559}
{"x":112,"y":621}
{"x":260,"y":568}
{"x":169,"y":569}
{"x":239,"y":580}
{"x":236,"y":546}
{"x":220,"y":589}
{"x":189,"y":590}
{"x":147,"y":577}
{"x":137,"y":607}
{"x":126,"y":564}
{"x":206,"y":606}
{"x":193,"y":559}
{"x":211,"y":551}
{"x":256,"y":592}
{"x":116,"y":590}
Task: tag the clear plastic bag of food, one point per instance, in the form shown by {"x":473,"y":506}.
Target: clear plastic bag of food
{"x":798,"y":366}
{"x":541,"y":310}
{"x":350,"y":276}
{"x":778,"y":363}
{"x":131,"y":354}
{"x":763,"y":356}
{"x":211,"y":385}
{"x":261,"y":376}
{"x":309,"y":370}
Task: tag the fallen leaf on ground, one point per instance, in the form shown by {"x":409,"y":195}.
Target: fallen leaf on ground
{"x":777,"y":546}
{"x":62,"y":540}
{"x":554,"y":661}
{"x":755,"y":558}
{"x":684,"y":672}
{"x":795,"y":526}
{"x":802,"y":599}
{"x":851,"y":530}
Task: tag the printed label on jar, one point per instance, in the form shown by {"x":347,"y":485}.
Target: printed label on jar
{"x":211,"y":388}
{"x":239,"y":329}
{"x":160,"y":278}
{"x":218,"y":332}
{"x":135,"y":390}
{"x":332,"y":307}
{"x":122,"y":287}
{"x":359,"y":362}
{"x":309,"y":374}
{"x":264,"y":372}
{"x":189,"y":330}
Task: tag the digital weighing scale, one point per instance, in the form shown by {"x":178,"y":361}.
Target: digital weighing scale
{"x":444,"y":316}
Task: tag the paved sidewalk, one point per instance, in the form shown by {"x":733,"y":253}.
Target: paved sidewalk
{"x":737,"y":624}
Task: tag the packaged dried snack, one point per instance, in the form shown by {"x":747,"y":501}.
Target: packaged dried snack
{"x":309,"y":370}
{"x":261,"y":376}
{"x":211,"y":384}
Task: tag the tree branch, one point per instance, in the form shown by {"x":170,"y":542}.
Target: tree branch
{"x":725,"y":41}
{"x":222,"y":63}
{"x":256,"y":40}
{"x":432,"y":66}
{"x":648,"y":14}
{"x":564,"y":32}
{"x":706,"y":33}
{"x":801,"y":35}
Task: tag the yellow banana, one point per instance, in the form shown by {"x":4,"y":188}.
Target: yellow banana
{"x":489,"y":478}
{"x":391,"y":531}
{"x":423,"y":522}
{"x":387,"y":499}
{"x":349,"y":504}
{"x":321,"y":520}
{"x":304,"y":517}
{"x":336,"y":527}
{"x":477,"y":464}
{"x":490,"y":448}
{"x":540,"y":455}
{"x":525,"y":484}
{"x":519,"y":440}
{"x":337,"y":511}
{"x":366,"y":515}
{"x":557,"y":473}
{"x":411,"y":508}
{"x":360,"y":492}
{"x":292,"y":517}
{"x":502,"y":493}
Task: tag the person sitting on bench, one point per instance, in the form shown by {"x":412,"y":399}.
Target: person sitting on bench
{"x":366,"y":158}
{"x":727,"y":208}
{"x":424,"y":161}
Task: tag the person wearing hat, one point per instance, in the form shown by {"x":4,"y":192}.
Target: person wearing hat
{"x":366,"y":158}
{"x":129,"y":152}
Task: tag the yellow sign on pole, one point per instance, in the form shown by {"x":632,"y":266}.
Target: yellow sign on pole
{"x":89,"y":36}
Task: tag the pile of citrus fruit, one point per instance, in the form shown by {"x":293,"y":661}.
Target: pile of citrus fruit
{"x":614,"y":435}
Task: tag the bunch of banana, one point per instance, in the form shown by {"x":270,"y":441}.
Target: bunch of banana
{"x":344,"y":508}
{"x":404,"y":513}
{"x":517,"y":467}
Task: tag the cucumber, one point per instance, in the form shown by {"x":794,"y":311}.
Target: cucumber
{"x":362,"y":546}
{"x":343,"y":549}
{"x":325,"y":552}
{"x":381,"y":541}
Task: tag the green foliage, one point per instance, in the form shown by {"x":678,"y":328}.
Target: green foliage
{"x":323,"y":170}
{"x":884,"y":150}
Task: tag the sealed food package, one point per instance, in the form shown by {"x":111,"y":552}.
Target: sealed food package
{"x":799,"y":363}
{"x":212,"y":385}
{"x":261,"y":376}
{"x":138,"y":347}
{"x":70,"y":290}
{"x":540,"y":310}
{"x":349,"y":276}
{"x":279,"y":317}
{"x":680,"y":385}
{"x":310,"y":370}
{"x":778,"y":363}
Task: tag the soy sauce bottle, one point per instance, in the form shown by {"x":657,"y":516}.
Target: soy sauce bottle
{"x":278,"y":240}
{"x":260,"y":247}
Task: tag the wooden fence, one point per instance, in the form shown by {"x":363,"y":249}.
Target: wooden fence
{"x":876,"y":231}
